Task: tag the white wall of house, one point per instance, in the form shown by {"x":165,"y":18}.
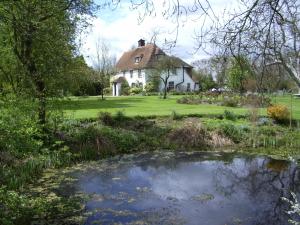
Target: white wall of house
{"x":180,"y":79}
{"x":133,"y":77}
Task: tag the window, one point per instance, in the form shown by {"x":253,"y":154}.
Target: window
{"x":124,"y":72}
{"x":131,"y":73}
{"x":139,"y":74}
{"x":133,"y":85}
{"x":137,"y":59}
{"x":171,"y":85}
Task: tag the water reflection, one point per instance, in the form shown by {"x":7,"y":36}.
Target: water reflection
{"x":199,"y":188}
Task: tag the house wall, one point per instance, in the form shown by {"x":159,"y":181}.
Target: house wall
{"x":180,"y":79}
{"x":134,"y":79}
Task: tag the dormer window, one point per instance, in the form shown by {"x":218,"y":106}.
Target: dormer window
{"x":137,"y":59}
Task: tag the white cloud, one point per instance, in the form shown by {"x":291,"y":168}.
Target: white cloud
{"x":121,"y":30}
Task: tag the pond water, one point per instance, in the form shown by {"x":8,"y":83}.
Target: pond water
{"x":185,"y":188}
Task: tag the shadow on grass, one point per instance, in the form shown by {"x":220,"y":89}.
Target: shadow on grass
{"x":97,"y":103}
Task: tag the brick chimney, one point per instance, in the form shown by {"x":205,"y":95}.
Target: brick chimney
{"x":141,"y":43}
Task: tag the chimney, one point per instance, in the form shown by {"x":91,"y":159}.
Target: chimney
{"x":141,"y":43}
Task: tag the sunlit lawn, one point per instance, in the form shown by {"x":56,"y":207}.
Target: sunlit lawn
{"x":89,"y":107}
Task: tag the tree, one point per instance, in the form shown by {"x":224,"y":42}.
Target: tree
{"x":205,"y":79}
{"x":267,"y":31}
{"x":104,"y":65}
{"x":163,"y":68}
{"x":40,"y":42}
{"x":238,"y":74}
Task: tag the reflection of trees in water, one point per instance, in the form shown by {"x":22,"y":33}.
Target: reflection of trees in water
{"x":263,"y":182}
{"x":180,"y":158}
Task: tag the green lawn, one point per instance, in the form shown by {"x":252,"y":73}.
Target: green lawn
{"x":89,"y":107}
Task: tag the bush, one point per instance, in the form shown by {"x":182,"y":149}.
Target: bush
{"x":279,"y":113}
{"x":229,"y":115}
{"x":106,"y":118}
{"x":192,"y":99}
{"x":151,"y":87}
{"x":175,"y":115}
{"x":233,"y":132}
{"x":230,"y":102}
{"x":120,"y":116}
{"x":107,"y":91}
{"x":189,"y":136}
{"x":19,"y":131}
{"x":135,"y":90}
{"x":256,"y":101}
{"x":125,"y":88}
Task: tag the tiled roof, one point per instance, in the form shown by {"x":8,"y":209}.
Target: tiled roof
{"x":147,"y":55}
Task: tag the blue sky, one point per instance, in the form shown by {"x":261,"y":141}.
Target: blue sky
{"x":120,"y":29}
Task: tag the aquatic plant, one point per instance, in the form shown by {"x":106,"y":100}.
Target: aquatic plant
{"x":294,"y":208}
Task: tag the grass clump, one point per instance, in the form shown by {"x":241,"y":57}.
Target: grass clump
{"x":175,"y":116}
{"x":229,"y":115}
{"x":189,"y":136}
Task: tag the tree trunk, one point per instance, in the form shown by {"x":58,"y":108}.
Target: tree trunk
{"x":40,"y":86}
{"x":165,"y":89}
{"x":102,"y":93}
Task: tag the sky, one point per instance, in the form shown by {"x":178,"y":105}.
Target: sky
{"x":120,"y":29}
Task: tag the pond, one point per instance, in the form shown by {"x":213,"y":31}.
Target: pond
{"x":184,"y":188}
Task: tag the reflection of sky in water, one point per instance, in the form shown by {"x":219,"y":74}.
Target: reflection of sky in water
{"x":184,"y":182}
{"x":190,"y":190}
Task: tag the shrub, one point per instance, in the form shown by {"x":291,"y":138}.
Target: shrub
{"x":19,"y":131}
{"x":151,"y":87}
{"x":229,"y":115}
{"x":233,"y":132}
{"x":120,"y":116}
{"x":106,"y":118}
{"x":189,"y":136}
{"x":230,"y":102}
{"x":252,"y":115}
{"x":256,"y":101}
{"x":107,"y":91}
{"x":192,"y":99}
{"x":175,"y":116}
{"x":279,"y":113}
{"x":125,"y":88}
{"x":135,"y":90}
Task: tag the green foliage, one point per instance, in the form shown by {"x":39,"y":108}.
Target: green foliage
{"x":230,"y":101}
{"x":125,"y":88}
{"x":106,"y":118}
{"x":230,"y":115}
{"x":207,"y":82}
{"x":235,"y":133}
{"x":152,"y":86}
{"x":108,"y":91}
{"x":120,"y":116}
{"x":135,"y":90}
{"x":175,"y":115}
{"x":238,"y":74}
{"x":19,"y":132}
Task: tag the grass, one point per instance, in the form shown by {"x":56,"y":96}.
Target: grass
{"x":89,"y":107}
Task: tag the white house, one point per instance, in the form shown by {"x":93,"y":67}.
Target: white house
{"x":134,"y":67}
